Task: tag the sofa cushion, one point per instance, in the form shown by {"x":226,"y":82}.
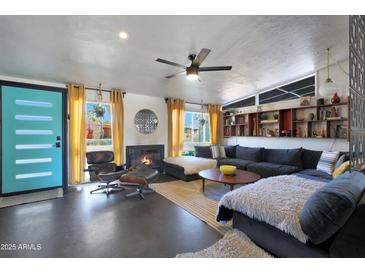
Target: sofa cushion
{"x":249,"y":153}
{"x":310,"y":158}
{"x":240,"y":164}
{"x":350,"y":240}
{"x":316,"y":174}
{"x":269,"y":169}
{"x":291,"y":157}
{"x":203,"y":151}
{"x":328,"y":209}
{"x":230,"y":151}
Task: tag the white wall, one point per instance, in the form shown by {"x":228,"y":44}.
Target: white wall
{"x":134,"y":103}
{"x":342,"y":82}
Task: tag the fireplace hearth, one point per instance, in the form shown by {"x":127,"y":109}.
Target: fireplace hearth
{"x":145,"y":155}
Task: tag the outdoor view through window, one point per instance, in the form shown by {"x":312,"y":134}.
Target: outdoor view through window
{"x":196,"y":131}
{"x":98,"y":126}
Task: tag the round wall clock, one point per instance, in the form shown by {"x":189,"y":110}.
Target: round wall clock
{"x":146,"y":121}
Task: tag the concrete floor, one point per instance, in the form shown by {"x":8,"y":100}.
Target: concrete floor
{"x":84,"y":225}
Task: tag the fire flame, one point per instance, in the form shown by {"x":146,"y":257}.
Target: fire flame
{"x":146,"y":161}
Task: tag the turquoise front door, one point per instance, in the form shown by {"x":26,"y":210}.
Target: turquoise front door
{"x":31,"y":139}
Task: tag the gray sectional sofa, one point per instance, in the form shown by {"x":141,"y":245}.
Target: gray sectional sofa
{"x":270,"y":162}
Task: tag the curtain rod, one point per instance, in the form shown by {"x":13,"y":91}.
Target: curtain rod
{"x":97,"y":89}
{"x":199,"y":104}
{"x":106,"y":90}
{"x":191,"y":103}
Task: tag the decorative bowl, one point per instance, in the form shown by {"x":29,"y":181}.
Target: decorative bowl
{"x":228,"y":170}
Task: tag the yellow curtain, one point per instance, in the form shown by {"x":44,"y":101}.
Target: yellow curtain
{"x":175,"y":118}
{"x":77,"y":142}
{"x":116,"y":98}
{"x":214,"y":117}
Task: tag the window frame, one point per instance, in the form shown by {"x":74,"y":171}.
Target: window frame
{"x":189,"y":145}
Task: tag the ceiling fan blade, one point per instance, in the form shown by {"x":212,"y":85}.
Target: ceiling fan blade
{"x":175,"y":74}
{"x":170,"y":63}
{"x":215,"y":68}
{"x":201,"y":56}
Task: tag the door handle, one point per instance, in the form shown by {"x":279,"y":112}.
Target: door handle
{"x":57,"y":144}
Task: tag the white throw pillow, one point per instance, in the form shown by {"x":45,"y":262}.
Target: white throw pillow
{"x":218,"y":151}
{"x":215,"y":151}
{"x":222,"y":152}
{"x":327,"y":161}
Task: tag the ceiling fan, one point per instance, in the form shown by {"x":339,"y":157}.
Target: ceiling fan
{"x":192,"y":72}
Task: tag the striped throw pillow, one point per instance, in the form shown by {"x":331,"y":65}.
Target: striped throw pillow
{"x":215,"y":151}
{"x":218,"y":151}
{"x":327,"y":162}
{"x":222,"y":152}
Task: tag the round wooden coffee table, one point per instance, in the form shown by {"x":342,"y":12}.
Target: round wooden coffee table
{"x":241,"y":177}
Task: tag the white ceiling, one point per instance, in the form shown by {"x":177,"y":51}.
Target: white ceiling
{"x":263,"y":50}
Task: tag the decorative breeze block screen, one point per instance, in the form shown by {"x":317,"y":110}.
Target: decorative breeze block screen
{"x":357,"y":89}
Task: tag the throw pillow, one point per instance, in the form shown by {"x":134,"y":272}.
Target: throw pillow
{"x":341,"y":169}
{"x":218,"y":151}
{"x":222,"y":152}
{"x":327,"y":161}
{"x":231,"y":151}
{"x":215,"y":151}
{"x":340,"y":161}
{"x":310,"y":158}
{"x":203,"y":151}
{"x":329,"y":208}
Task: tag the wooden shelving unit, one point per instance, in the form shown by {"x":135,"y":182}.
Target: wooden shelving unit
{"x":293,"y":122}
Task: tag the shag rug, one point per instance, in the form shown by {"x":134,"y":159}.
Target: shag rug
{"x":234,"y":244}
{"x":190,"y":197}
{"x":276,"y":201}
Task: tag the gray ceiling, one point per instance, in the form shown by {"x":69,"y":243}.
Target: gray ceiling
{"x":263,"y":50}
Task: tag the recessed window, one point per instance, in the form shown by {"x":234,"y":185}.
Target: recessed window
{"x":304,"y":87}
{"x":250,"y":101}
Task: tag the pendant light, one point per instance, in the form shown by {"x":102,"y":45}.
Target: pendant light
{"x":202,"y":121}
{"x":99,"y":95}
{"x":329,"y":88}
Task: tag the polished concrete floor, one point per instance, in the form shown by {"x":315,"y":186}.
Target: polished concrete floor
{"x":84,"y":225}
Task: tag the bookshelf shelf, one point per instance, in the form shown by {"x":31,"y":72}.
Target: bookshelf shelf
{"x":289,"y":123}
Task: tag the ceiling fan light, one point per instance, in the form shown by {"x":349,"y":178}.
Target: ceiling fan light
{"x":192,"y":73}
{"x":192,"y":77}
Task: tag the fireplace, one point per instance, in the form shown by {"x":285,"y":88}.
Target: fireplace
{"x":145,"y":155}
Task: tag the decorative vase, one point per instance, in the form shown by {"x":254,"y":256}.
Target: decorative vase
{"x":335,"y":99}
{"x":310,"y":116}
{"x":320,"y":101}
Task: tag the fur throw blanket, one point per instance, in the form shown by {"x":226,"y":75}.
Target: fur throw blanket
{"x":191,"y":164}
{"x":276,"y":201}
